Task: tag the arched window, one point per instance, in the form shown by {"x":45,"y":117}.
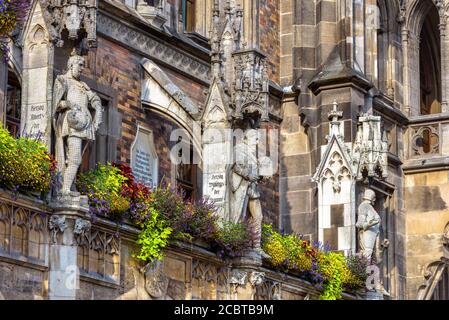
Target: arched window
{"x":430,"y":63}
{"x":186,"y":175}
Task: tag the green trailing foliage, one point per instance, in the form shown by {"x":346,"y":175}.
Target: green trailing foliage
{"x":329,"y":271}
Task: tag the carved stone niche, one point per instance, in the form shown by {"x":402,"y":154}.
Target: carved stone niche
{"x":250,"y":94}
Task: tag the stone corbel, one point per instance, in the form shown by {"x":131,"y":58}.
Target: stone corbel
{"x":238,"y":278}
{"x":56,"y":224}
{"x":81,"y":232}
{"x":256,"y":279}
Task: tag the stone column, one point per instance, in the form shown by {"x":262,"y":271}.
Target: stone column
{"x":406,"y":83}
{"x":444,"y":66}
{"x":69,"y":221}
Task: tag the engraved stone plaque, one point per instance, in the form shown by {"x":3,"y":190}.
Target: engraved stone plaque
{"x":144,"y":161}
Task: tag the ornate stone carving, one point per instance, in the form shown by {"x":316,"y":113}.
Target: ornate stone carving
{"x":204,"y":271}
{"x":238,"y":277}
{"x":73,"y":122}
{"x":337,"y":171}
{"x":432,"y":275}
{"x":425,"y":140}
{"x":152,"y":47}
{"x":251,"y":84}
{"x":268,"y":290}
{"x":370,"y":149}
{"x":336,"y":160}
{"x":56,"y":224}
{"x":81,"y":232}
{"x":242,"y":71}
{"x":72,"y":15}
{"x":156,"y":282}
{"x":369,"y":223}
{"x":256,"y":278}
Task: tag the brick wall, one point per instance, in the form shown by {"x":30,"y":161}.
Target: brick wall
{"x":269,"y":35}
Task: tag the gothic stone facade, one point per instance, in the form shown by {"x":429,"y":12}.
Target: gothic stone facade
{"x":152,"y":64}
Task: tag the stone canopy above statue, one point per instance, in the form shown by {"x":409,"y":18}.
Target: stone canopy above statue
{"x":74,"y":15}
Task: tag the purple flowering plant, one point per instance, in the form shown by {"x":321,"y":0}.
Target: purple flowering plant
{"x":12,"y":15}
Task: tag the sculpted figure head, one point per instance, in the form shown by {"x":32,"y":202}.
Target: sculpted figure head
{"x":75,"y":65}
{"x":370,"y":196}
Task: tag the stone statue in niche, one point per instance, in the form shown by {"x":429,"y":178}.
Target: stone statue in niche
{"x":245,"y":203}
{"x":72,"y":119}
{"x":369,"y":223}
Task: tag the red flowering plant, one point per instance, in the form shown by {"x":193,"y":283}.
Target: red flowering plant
{"x":138,"y":194}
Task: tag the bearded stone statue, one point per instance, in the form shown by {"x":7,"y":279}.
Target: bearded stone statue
{"x":77,"y":114}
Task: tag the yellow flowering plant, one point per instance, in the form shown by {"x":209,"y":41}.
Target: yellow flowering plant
{"x":25,"y":164}
{"x":330,"y":271}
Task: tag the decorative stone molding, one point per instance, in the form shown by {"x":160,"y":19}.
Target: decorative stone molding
{"x":29,"y":227}
{"x":153,"y":47}
{"x":56,"y":224}
{"x":336,"y":162}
